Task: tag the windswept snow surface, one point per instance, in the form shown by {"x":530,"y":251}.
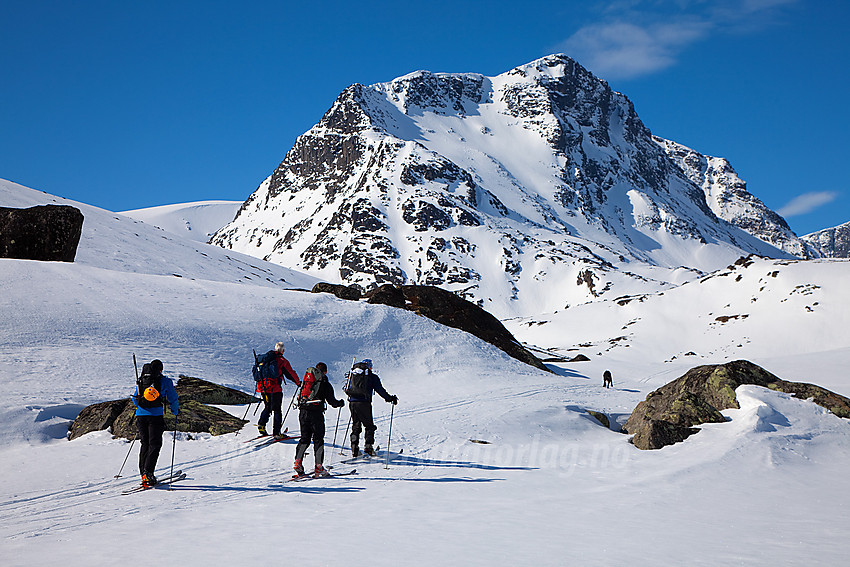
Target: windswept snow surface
{"x":552,"y":487}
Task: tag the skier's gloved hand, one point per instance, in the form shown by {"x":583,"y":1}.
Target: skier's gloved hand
{"x":393,"y":400}
{"x":339,"y":404}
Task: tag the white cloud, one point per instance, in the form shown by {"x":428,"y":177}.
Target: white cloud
{"x":640,"y":37}
{"x":806,"y":203}
{"x":628,"y":50}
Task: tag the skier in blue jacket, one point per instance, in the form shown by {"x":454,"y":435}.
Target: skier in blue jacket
{"x":153,"y":390}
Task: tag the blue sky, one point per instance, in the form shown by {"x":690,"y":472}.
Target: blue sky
{"x":126,"y":105}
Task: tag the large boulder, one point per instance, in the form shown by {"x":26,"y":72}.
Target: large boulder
{"x":350,"y":292}
{"x":670,"y":413}
{"x":453,"y":311}
{"x":46,"y":233}
{"x":195,"y":415}
{"x":189,"y":388}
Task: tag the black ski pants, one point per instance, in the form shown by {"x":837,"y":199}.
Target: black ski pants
{"x":361,"y":417}
{"x":312,"y":421}
{"x":151,"y":428}
{"x":272,"y":403}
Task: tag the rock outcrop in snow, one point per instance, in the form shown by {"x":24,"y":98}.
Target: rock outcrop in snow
{"x":669,"y":414}
{"x":196,"y":416}
{"x":50,"y":233}
{"x":531,"y":190}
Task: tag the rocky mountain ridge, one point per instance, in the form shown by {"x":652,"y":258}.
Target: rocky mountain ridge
{"x":831,"y":242}
{"x":526,"y":192}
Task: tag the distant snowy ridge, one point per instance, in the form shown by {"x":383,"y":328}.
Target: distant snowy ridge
{"x":727,"y":196}
{"x":529,"y":191}
{"x":831,"y":242}
{"x":198,"y":220}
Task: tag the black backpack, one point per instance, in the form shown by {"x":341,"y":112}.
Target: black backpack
{"x":265,"y":367}
{"x":358,"y":382}
{"x":150,"y":389}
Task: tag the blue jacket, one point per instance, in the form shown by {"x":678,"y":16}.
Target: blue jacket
{"x":168,"y":392}
{"x":374,"y":386}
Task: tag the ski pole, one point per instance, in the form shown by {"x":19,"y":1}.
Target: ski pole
{"x":347,"y":384}
{"x":173,"y":444}
{"x":389,"y":436}
{"x":262,"y":389}
{"x":342,"y":447}
{"x":136,"y":436}
{"x":128,"y":455}
{"x":251,"y":403}
{"x":292,"y":401}
{"x":336,"y":429}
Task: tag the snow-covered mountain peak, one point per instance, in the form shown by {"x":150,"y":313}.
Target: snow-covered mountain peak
{"x":530,"y":190}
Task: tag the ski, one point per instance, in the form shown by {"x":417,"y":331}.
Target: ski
{"x":261,"y":436}
{"x":303,"y":477}
{"x":365,"y":458}
{"x":179,"y":475}
{"x":274,"y":440}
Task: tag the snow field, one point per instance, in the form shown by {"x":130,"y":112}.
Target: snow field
{"x":551,"y":487}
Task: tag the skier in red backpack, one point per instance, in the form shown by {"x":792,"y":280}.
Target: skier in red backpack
{"x":316,"y":391}
{"x":272,"y":391}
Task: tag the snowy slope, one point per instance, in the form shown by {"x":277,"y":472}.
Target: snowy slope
{"x":553,"y":487}
{"x":116,"y":242}
{"x":197,"y":221}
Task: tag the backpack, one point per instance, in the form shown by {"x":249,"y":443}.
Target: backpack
{"x":150,"y":388}
{"x":358,"y":382}
{"x":265,"y":367}
{"x":310,"y":390}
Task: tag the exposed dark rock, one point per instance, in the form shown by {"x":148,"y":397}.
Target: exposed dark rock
{"x":579,"y":358}
{"x":50,"y":233}
{"x":668,"y":415}
{"x":195,"y":416}
{"x":350,"y":292}
{"x":202,"y":391}
{"x":448,"y":309}
{"x":97,"y":417}
{"x":600,"y":417}
{"x":387,"y":294}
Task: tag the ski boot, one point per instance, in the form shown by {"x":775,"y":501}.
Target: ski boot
{"x":320,"y":471}
{"x":369,"y":451}
{"x":148,"y":480}
{"x":262,"y":430}
{"x":299,"y":468}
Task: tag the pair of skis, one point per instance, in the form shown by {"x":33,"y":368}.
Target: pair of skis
{"x":326,"y":474}
{"x":366,"y":457}
{"x":177,"y":476}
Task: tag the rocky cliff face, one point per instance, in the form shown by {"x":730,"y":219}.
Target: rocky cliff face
{"x":831,"y":242}
{"x":527,"y":191}
{"x":727,"y":196}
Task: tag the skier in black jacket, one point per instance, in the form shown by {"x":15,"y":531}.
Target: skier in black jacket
{"x":362,"y":383}
{"x":316,"y":391}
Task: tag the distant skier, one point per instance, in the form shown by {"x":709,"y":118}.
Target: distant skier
{"x":362,"y":382}
{"x":316,"y":391}
{"x":153,"y":389}
{"x":607,"y":380}
{"x":272,"y":391}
